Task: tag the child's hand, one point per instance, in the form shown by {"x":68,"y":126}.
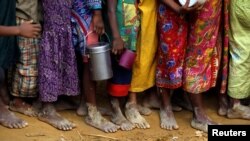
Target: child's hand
{"x":29,"y":30}
{"x":118,"y":46}
{"x":98,"y":22}
{"x":186,"y":9}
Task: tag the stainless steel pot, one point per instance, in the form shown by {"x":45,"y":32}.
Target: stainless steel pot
{"x":100,"y":61}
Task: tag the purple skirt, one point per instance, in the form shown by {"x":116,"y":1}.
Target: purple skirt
{"x":57,"y":61}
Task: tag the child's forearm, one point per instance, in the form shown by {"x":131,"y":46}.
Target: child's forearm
{"x":172,"y":4}
{"x":9,"y":30}
{"x":112,"y":18}
{"x":97,"y":12}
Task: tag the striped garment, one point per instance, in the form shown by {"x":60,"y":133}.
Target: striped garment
{"x":24,"y":74}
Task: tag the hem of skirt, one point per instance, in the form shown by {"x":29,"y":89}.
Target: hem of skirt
{"x":138,"y":90}
{"x":175,"y":86}
{"x":238,"y":96}
{"x":55,"y":98}
{"x":196,"y":92}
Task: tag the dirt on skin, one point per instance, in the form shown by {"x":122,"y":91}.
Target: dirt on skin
{"x":40,"y":131}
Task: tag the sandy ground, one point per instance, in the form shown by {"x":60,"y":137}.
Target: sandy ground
{"x":39,"y":131}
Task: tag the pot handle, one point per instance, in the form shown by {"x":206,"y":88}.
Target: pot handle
{"x":85,"y":40}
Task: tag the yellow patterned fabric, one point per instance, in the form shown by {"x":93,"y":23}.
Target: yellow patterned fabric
{"x":143,"y":76}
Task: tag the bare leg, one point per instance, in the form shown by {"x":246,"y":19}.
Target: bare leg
{"x":49,"y":115}
{"x":132,"y":113}
{"x":237,"y":110}
{"x":182,"y":99}
{"x":223,"y":105}
{"x":4,"y":90}
{"x":153,"y":101}
{"x":7,"y":118}
{"x":82,"y":109}
{"x":88,"y":92}
{"x":19,"y":105}
{"x":166,"y":114}
{"x":118,"y":117}
{"x":200,"y":119}
{"x":94,"y":118}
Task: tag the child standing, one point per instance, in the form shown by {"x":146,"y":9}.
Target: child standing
{"x":187,"y":60}
{"x":24,"y":74}
{"x":124,"y":22}
{"x":57,"y":61}
{"x":238,"y":81}
{"x":87,"y":23}
{"x":171,"y":52}
{"x":9,"y":54}
{"x":202,"y":58}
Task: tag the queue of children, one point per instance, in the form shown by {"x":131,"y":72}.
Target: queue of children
{"x":43,"y":56}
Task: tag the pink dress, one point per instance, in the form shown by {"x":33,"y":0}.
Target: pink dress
{"x":203,"y":54}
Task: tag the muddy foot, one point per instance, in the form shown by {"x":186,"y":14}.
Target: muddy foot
{"x":153,"y":102}
{"x":144,"y":110}
{"x":120,"y":120}
{"x":118,"y":117}
{"x":95,"y":119}
{"x":82,"y":111}
{"x":9,"y":120}
{"x":203,"y":126}
{"x":134,"y":116}
{"x":201,"y":120}
{"x":50,"y":116}
{"x":167,"y":119}
{"x":239,"y":111}
{"x":23,"y":108}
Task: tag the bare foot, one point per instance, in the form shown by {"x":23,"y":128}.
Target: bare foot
{"x":154,"y":102}
{"x":239,"y":111}
{"x":167,"y":119}
{"x":223,"y":105}
{"x":50,"y":116}
{"x":144,"y":110}
{"x":118,"y":118}
{"x":9,"y":120}
{"x":201,"y":121}
{"x":23,"y":108}
{"x":95,"y":119}
{"x":134,"y":116}
{"x":203,"y":126}
{"x":82,"y":111}
{"x":151,"y":102}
